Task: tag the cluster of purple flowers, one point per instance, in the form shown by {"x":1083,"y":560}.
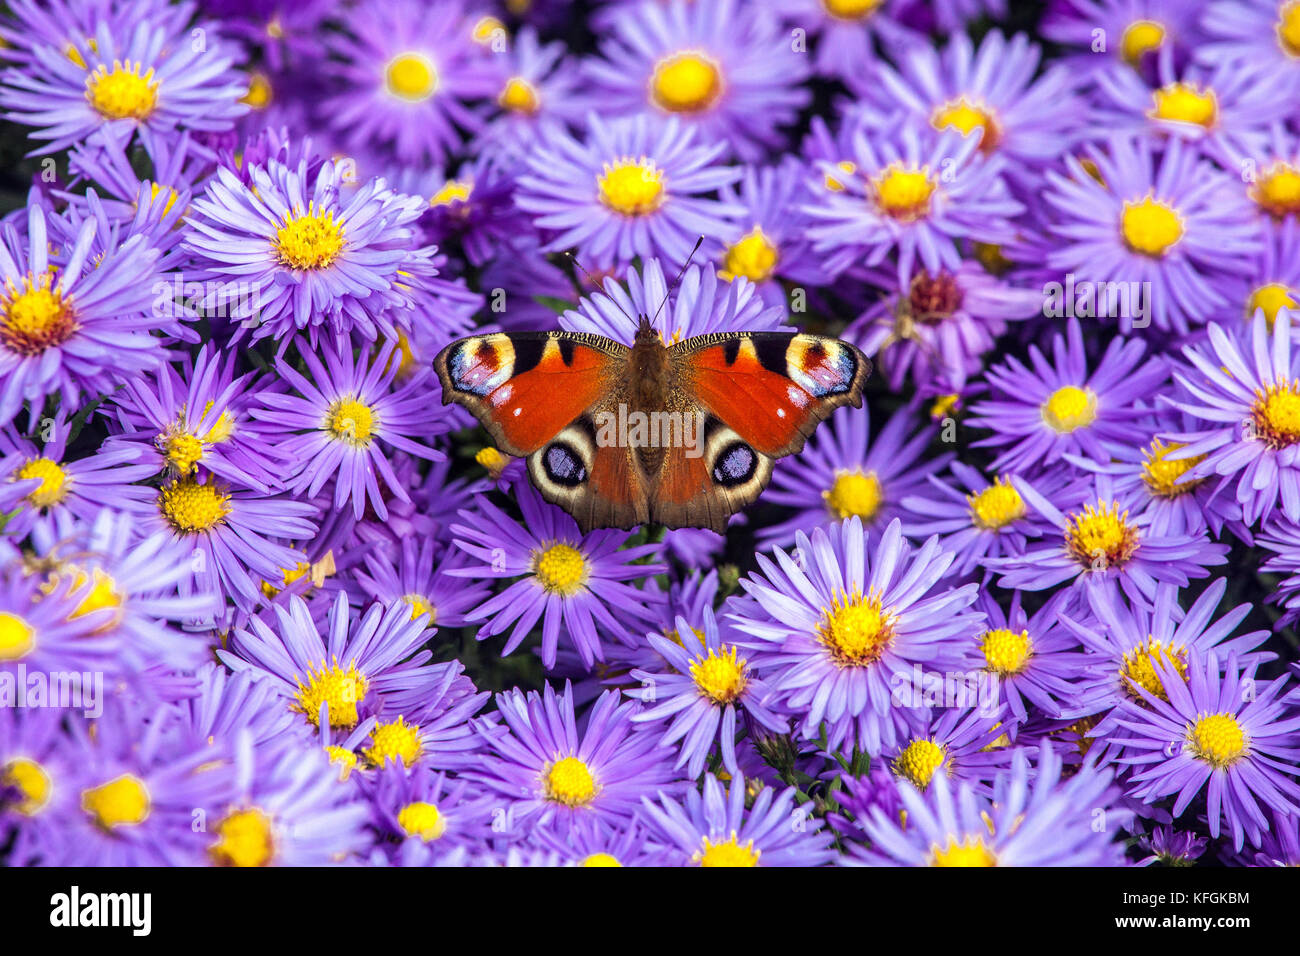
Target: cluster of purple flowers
{"x":265,"y":600}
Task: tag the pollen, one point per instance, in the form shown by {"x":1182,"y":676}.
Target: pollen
{"x":1101,"y":534}
{"x":919,"y":761}
{"x":569,"y":781}
{"x":720,"y":677}
{"x":631,"y":187}
{"x":191,"y":507}
{"x":1218,"y":739}
{"x":1150,"y":226}
{"x":753,"y":256}
{"x":965,"y":117}
{"x":851,"y":9}
{"x":853,"y":493}
{"x":933,"y":299}
{"x":394,"y":741}
{"x":421,"y":606}
{"x":1276,"y":414}
{"x":310,"y":240}
{"x":243,"y":839}
{"x":122,"y":802}
{"x":411,"y":76}
{"x":343,"y":758}
{"x":856,"y":630}
{"x":421,"y":819}
{"x":183,"y":452}
{"x":1277,"y":190}
{"x":492,"y":459}
{"x":30,"y":780}
{"x":686,"y":82}
{"x":560,"y":569}
{"x":1005,"y":651}
{"x":1140,"y":667}
{"x":122,"y":92}
{"x":34,"y":317}
{"x":1288,"y":28}
{"x":1184,"y":103}
{"x":97,"y":589}
{"x":601,"y":859}
{"x":259,"y":93}
{"x":341,"y":689}
{"x":452,"y":191}
{"x":843,"y":171}
{"x":519,"y":96}
{"x":17,"y":637}
{"x":1069,"y":408}
{"x":996,"y":506}
{"x":1140,"y":38}
{"x":728,"y":852}
{"x":351,"y":421}
{"x":1162,"y":475}
{"x":969,"y":852}
{"x":54,"y":481}
{"x":903,"y":193}
{"x":1272,"y":298}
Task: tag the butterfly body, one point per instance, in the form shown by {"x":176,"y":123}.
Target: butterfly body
{"x":683,"y":435}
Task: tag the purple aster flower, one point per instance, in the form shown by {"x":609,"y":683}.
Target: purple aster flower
{"x":842,"y":31}
{"x":1282,"y":537}
{"x":1161,"y":231}
{"x":1260,"y":33}
{"x":843,"y":473}
{"x":548,"y":769}
{"x":283,"y":31}
{"x":721,"y":67}
{"x":38,"y":768}
{"x":1136,"y":31}
{"x":707,"y":682}
{"x":1043,"y":821}
{"x":714,"y":828}
{"x":630,"y":188}
{"x":1170,"y":847}
{"x":596,"y":843}
{"x":297,"y":251}
{"x":425,"y":815}
{"x":227,"y":703}
{"x":1245,"y":388}
{"x":562,"y":577}
{"x":1219,"y":731}
{"x":1051,"y":408}
{"x":909,"y":188}
{"x":966,"y":744}
{"x":833,"y":627}
{"x":1273,"y":283}
{"x":420,"y":573}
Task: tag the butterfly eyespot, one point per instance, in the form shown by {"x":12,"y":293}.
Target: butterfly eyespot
{"x":735,"y":464}
{"x":563,"y":465}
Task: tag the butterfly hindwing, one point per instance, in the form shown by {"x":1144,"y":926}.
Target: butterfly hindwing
{"x":702,"y":487}
{"x":600,"y":485}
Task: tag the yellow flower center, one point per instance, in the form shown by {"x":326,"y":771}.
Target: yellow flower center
{"x":1140,"y":667}
{"x":853,"y":493}
{"x":341,"y":689}
{"x":720,"y":677}
{"x":411,"y":76}
{"x":727,"y":852}
{"x":35,"y":317}
{"x":944,"y":405}
{"x":389,"y":742}
{"x":489,"y":26}
{"x":1277,"y":190}
{"x":919,"y":761}
{"x":843,"y":171}
{"x":753,"y":256}
{"x":191,"y":507}
{"x":996,"y":506}
{"x":343,"y":758}
{"x":601,"y":859}
{"x":1150,"y":226}
{"x":1288,"y":28}
{"x":53,"y":486}
{"x":258,"y":96}
{"x":421,"y":606}
{"x":30,"y":780}
{"x":310,"y":240}
{"x":243,"y":839}
{"x":1276,"y":414}
{"x":1101,"y":533}
{"x":970,"y":852}
{"x":184,"y":451}
{"x":1162,"y":476}
{"x":1069,"y":408}
{"x":1218,"y":739}
{"x":904,"y":193}
{"x":519,"y":96}
{"x":1184,"y":103}
{"x":350,"y":421}
{"x":631,"y":187}
{"x":1272,"y":298}
{"x":17,"y":637}
{"x":686,"y":82}
{"x":1005,"y":651}
{"x":569,"y":781}
{"x":452,"y":191}
{"x":1141,"y":37}
{"x":856,"y":630}
{"x":420,"y":819}
{"x":121,"y":802}
{"x":851,"y":9}
{"x":560,"y":569}
{"x":122,"y":93}
{"x":492,"y":459}
{"x":965,"y":117}
{"x":97,"y":586}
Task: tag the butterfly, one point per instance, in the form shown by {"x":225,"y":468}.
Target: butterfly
{"x":682,"y":435}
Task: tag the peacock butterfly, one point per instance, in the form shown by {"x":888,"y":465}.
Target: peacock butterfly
{"x":684,"y":435}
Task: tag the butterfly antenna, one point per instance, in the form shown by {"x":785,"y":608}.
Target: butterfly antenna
{"x":598,"y":286}
{"x":681,"y":272}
